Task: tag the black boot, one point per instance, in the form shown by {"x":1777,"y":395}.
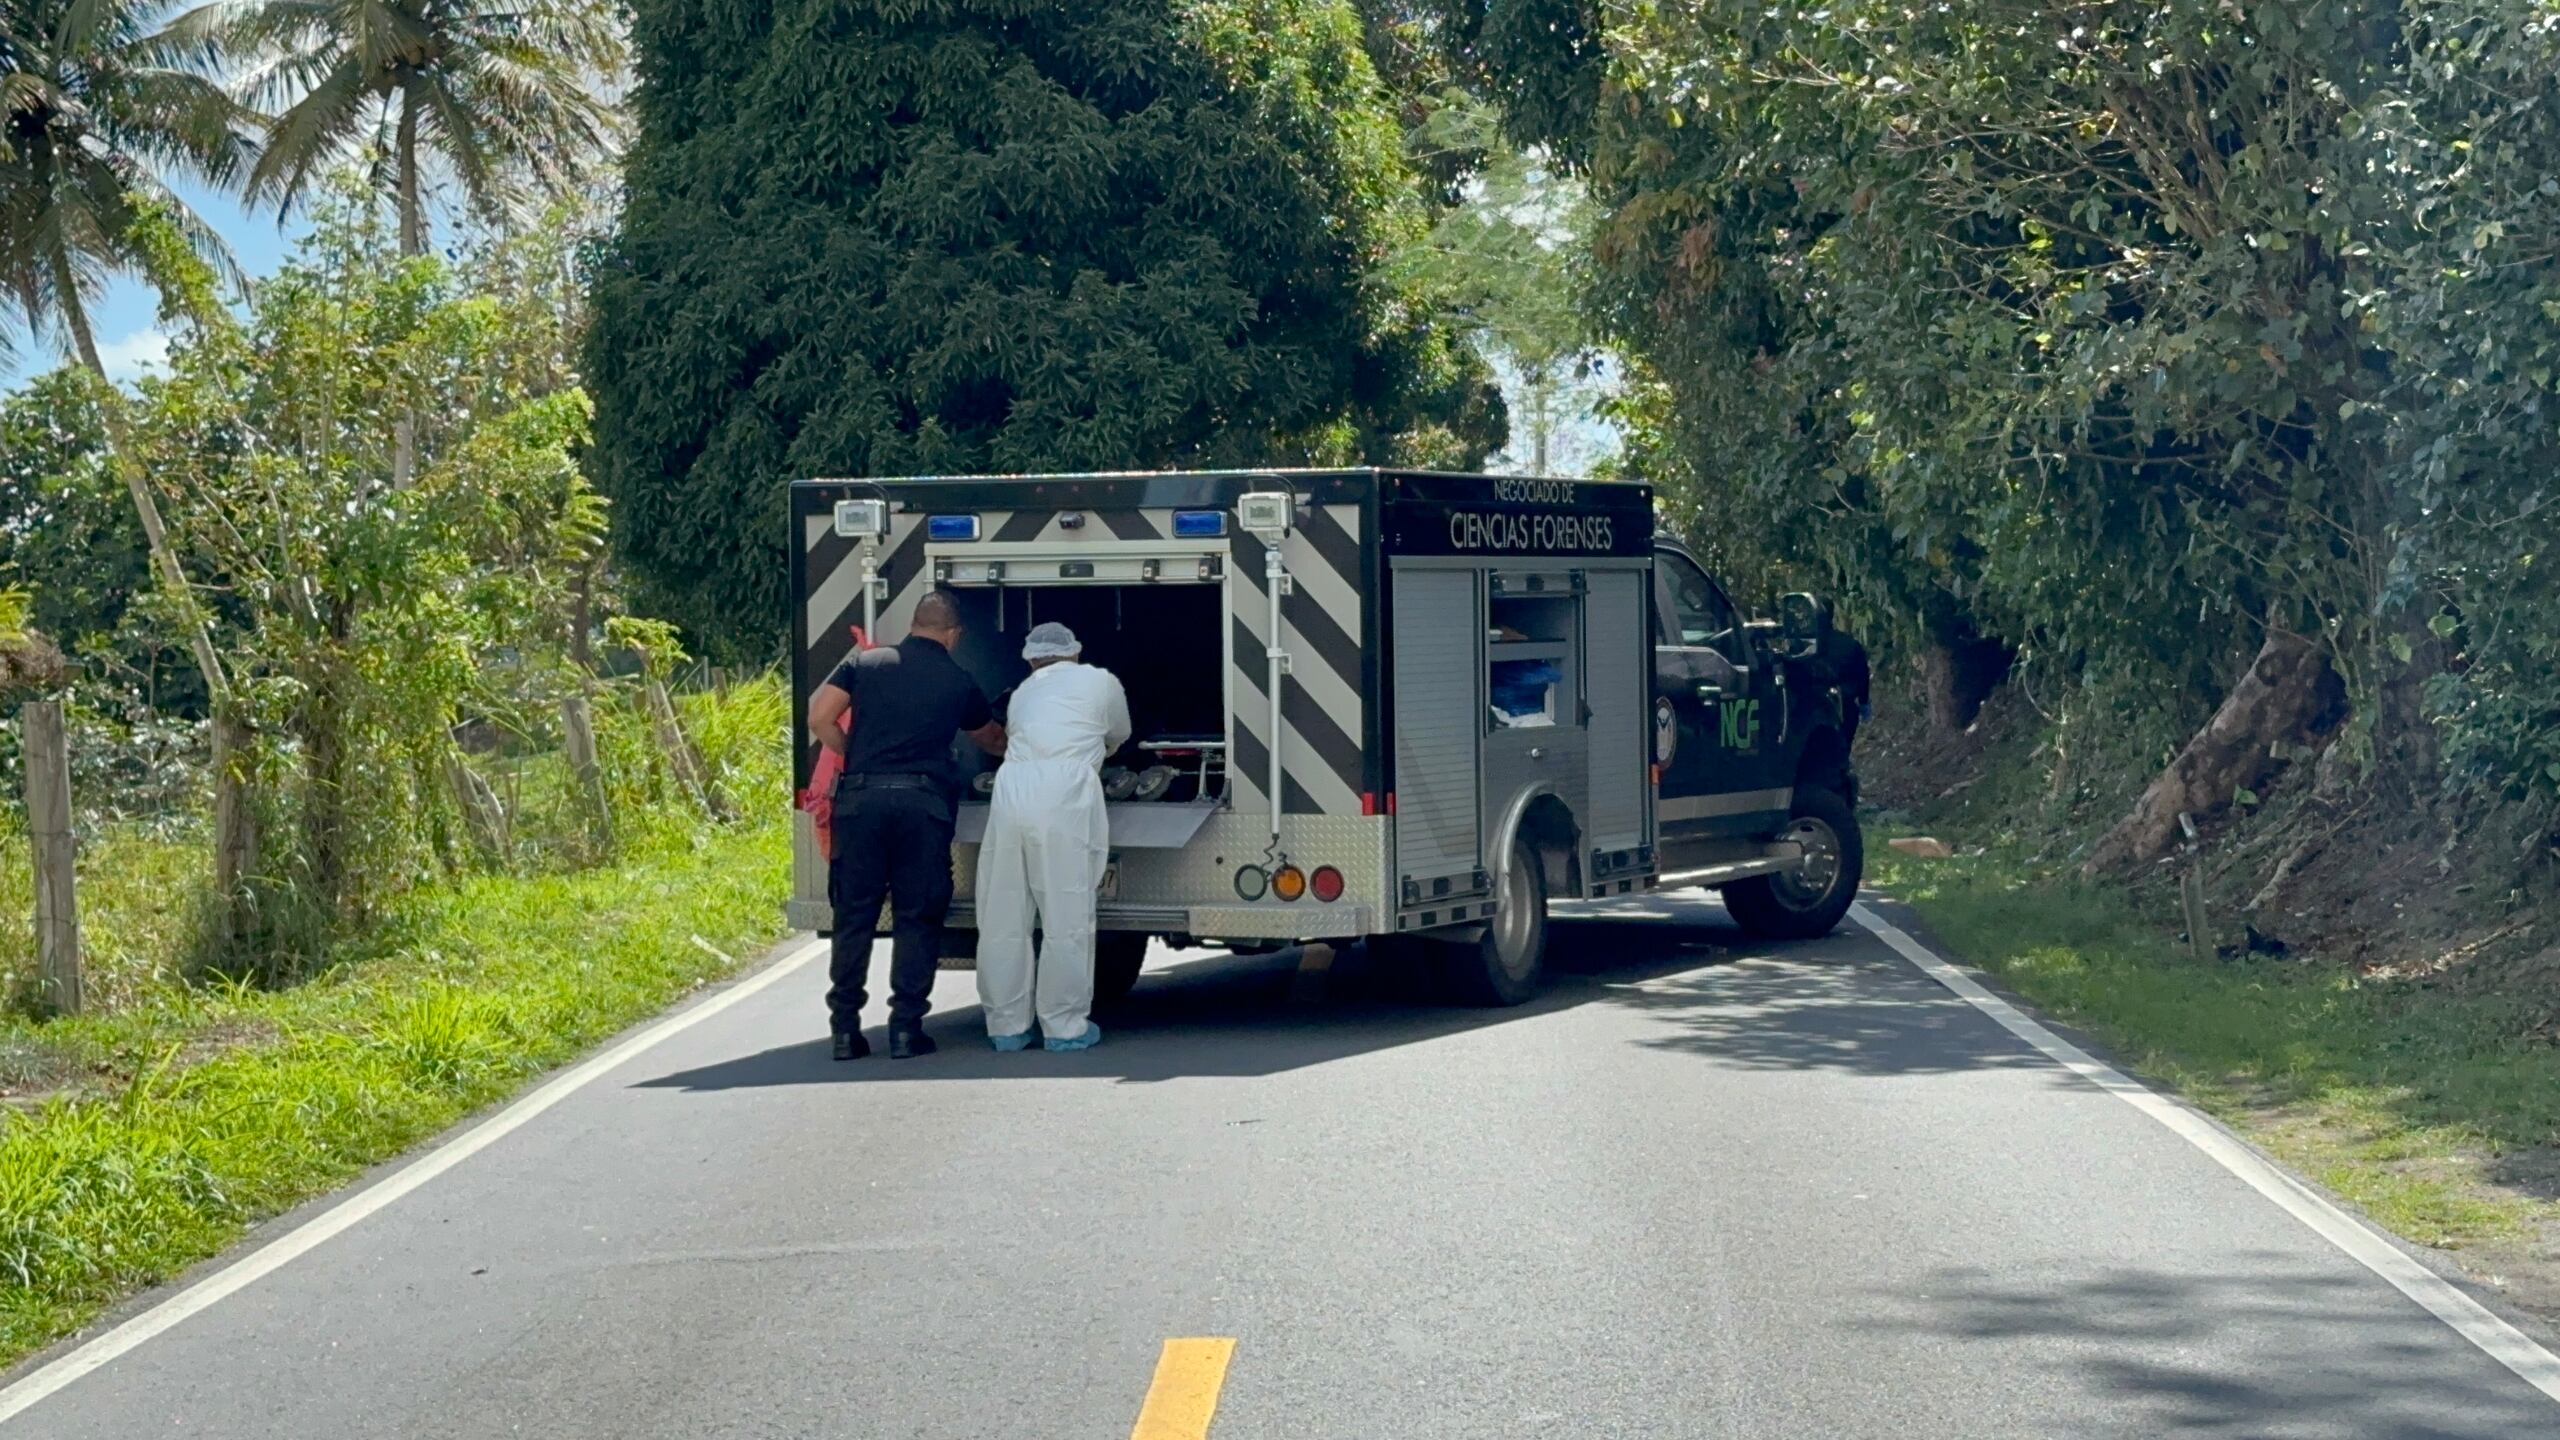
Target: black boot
{"x":907,"y":1040}
{"x":852,"y":1047}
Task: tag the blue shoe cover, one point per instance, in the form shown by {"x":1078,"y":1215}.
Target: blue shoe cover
{"x":1010,"y":1043}
{"x":1091,"y":1037}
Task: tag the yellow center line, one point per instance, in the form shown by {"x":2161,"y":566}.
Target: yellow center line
{"x":1185,"y":1393}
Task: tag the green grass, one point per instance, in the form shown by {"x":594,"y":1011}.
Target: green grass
{"x":133,"y":939}
{"x":2407,"y":1101}
{"x":186,"y":1112}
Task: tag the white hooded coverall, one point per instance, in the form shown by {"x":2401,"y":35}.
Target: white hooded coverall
{"x":1046,"y":843}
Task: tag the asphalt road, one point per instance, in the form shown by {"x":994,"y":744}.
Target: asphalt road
{"x":1701,"y":1190}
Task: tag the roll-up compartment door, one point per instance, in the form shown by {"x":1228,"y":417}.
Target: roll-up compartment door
{"x":1620,"y":658}
{"x":1437,"y":725}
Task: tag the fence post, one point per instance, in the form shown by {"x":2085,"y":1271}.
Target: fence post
{"x":48,"y":760}
{"x":682,"y":758}
{"x":2200,"y":944}
{"x":481,"y":809}
{"x":578,"y":723}
{"x":235,"y":824}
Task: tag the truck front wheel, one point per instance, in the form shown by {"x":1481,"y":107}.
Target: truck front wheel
{"x":1810,"y":898}
{"x":1117,"y":958}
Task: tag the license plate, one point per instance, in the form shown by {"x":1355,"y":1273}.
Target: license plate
{"x":1110,"y":888}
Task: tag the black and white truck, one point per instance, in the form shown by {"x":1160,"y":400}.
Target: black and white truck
{"x":1406,"y":707}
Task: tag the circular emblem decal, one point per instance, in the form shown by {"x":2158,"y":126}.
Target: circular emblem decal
{"x":1666,"y":731}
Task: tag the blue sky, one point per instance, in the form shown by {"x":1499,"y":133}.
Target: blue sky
{"x":129,"y":340}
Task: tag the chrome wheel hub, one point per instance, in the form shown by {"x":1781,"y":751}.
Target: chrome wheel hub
{"x":1805,"y":884}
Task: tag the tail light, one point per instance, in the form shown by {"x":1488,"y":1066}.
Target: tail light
{"x":1326,"y":883}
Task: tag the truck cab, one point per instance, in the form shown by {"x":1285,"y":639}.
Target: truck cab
{"x":1751,"y":729}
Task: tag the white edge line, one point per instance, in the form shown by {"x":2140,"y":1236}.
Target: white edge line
{"x":2470,"y":1319}
{"x":303,"y":1239}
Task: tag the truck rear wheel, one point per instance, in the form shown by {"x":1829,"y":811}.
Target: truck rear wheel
{"x":1507,"y":964}
{"x":1118,"y":955}
{"x":1811,"y":898}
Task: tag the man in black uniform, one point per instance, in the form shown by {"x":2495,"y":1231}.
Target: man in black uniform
{"x":894,"y":812}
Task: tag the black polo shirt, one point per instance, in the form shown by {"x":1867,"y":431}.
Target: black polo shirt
{"x":908,"y":701}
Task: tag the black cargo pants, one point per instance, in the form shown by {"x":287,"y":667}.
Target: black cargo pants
{"x":893,"y":843}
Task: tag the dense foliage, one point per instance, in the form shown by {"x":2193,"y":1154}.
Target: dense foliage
{"x":991,"y":235}
{"x":2122,"y":334}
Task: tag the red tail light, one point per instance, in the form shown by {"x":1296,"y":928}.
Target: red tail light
{"x":1326,"y":883}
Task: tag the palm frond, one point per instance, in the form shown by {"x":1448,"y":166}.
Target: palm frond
{"x":320,"y":127}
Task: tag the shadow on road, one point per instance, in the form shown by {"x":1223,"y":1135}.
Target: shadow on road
{"x":1839,"y":1003}
{"x":2272,"y":1347}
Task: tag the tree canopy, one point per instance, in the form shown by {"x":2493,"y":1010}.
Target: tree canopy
{"x":2126,"y":335}
{"x":991,"y":235}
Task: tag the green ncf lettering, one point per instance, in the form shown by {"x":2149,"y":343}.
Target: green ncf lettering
{"x":1739,"y":723}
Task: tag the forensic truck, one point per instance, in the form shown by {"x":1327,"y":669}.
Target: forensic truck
{"x":1399,"y":707}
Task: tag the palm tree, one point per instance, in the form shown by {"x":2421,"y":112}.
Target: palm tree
{"x":97,"y":106}
{"x":98,"y":109}
{"x":505,"y":94}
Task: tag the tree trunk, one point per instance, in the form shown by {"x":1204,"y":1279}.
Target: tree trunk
{"x":582,"y":619}
{"x":137,"y":485}
{"x":1541,"y":426}
{"x":2408,"y":760}
{"x":235,"y":844}
{"x":1958,"y":673}
{"x":2289,"y":695}
{"x":322,"y":723}
{"x":413,"y":242}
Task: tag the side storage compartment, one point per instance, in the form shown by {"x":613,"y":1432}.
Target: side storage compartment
{"x":1618,"y":819}
{"x":1437,"y":726}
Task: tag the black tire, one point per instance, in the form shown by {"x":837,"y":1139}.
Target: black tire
{"x":1118,"y":955}
{"x":1508,"y":963}
{"x":1795,"y":905}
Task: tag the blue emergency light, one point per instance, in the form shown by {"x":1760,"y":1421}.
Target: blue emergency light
{"x":1199,"y":524}
{"x":951,"y":527}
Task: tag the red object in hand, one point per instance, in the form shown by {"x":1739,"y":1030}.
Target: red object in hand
{"x":820,"y":798}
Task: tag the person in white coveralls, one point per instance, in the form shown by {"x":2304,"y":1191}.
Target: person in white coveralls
{"x":1046,"y":844}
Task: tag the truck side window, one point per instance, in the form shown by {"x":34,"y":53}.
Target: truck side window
{"x":1700,"y":615}
{"x":1528,"y":650}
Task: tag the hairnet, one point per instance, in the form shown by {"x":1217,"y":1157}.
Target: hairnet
{"x":1050,"y":640}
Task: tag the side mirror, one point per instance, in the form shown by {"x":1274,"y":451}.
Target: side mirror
{"x":1802,"y":617}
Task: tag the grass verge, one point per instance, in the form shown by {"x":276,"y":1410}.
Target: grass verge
{"x":2436,"y":1113}
{"x":194,"y":1115}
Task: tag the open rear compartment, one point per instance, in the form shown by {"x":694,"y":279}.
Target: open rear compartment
{"x":1167,"y":645}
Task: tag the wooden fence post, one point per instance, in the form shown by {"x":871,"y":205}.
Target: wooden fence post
{"x":235,"y":824}
{"x":682,"y":758}
{"x":481,"y":809}
{"x":48,"y":760}
{"x":579,"y":725}
{"x":2200,"y":945}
